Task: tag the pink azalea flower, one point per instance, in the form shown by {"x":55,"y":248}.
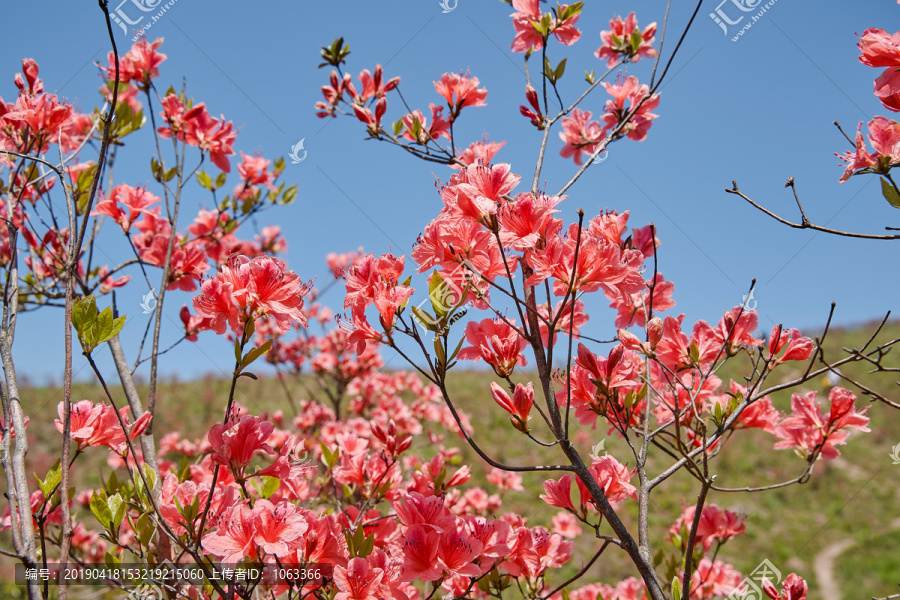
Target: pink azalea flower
{"x":736,"y":328}
{"x":632,"y":92}
{"x":84,"y":415}
{"x":209,"y":134}
{"x":497,"y":343}
{"x":140,"y":63}
{"x":34,"y":83}
{"x":793,"y":588}
{"x":251,"y":288}
{"x":136,"y":200}
{"x":520,"y":404}
{"x":460,"y":91}
{"x":98,"y":425}
{"x":374,"y":86}
{"x":236,"y":442}
{"x":813,"y":434}
{"x":43,"y":114}
{"x":798,"y":347}
{"x":612,"y":477}
{"x":482,"y":151}
{"x":887,"y":88}
{"x":559,"y":493}
{"x":581,"y":135}
{"x":358,"y":581}
{"x":254,"y":171}
{"x":566,"y":525}
{"x":275,"y":527}
{"x":456,"y":552}
{"x":715,"y":525}
{"x":858,"y":159}
{"x":233,"y":539}
{"x":711,"y":579}
{"x":529,"y":11}
{"x":879,"y":48}
{"x":505,"y":480}
{"x":420,"y":552}
{"x":619,"y":41}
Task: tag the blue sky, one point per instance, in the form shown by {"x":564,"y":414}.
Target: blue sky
{"x":757,"y":111}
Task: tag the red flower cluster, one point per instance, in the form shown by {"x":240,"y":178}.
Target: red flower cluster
{"x":98,"y":425}
{"x":247,"y":289}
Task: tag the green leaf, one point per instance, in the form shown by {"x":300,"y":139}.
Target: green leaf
{"x":560,"y":69}
{"x":270,"y":486}
{"x":425,"y":319}
{"x":85,"y":178}
{"x":249,"y":375}
{"x":890,"y":193}
{"x":150,"y":476}
{"x":329,"y":457}
{"x":290,"y":194}
{"x":111,"y":560}
{"x":144,"y":529}
{"x":440,"y":295}
{"x":111,"y":484}
{"x":636,"y":40}
{"x":676,"y":588}
{"x":104,"y":323}
{"x":548,"y":70}
{"x":54,"y":475}
{"x":84,"y":311}
{"x":220,"y":179}
{"x":367,"y":546}
{"x":204,"y":180}
{"x":254,"y":354}
{"x":117,"y":508}
{"x":100,"y":508}
{"x":335,"y":54}
{"x":118,"y":324}
{"x":458,"y":348}
{"x":718,"y":413}
{"x":694,"y":352}
{"x":397,"y":127}
{"x":106,"y":327}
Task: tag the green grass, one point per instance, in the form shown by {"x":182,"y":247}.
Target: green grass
{"x":854,"y":498}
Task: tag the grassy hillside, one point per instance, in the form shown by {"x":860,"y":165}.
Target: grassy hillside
{"x":843,"y":525}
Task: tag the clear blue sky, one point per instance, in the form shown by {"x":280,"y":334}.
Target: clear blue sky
{"x":758,"y":110}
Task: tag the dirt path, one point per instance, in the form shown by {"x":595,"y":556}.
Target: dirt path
{"x":823,"y":566}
